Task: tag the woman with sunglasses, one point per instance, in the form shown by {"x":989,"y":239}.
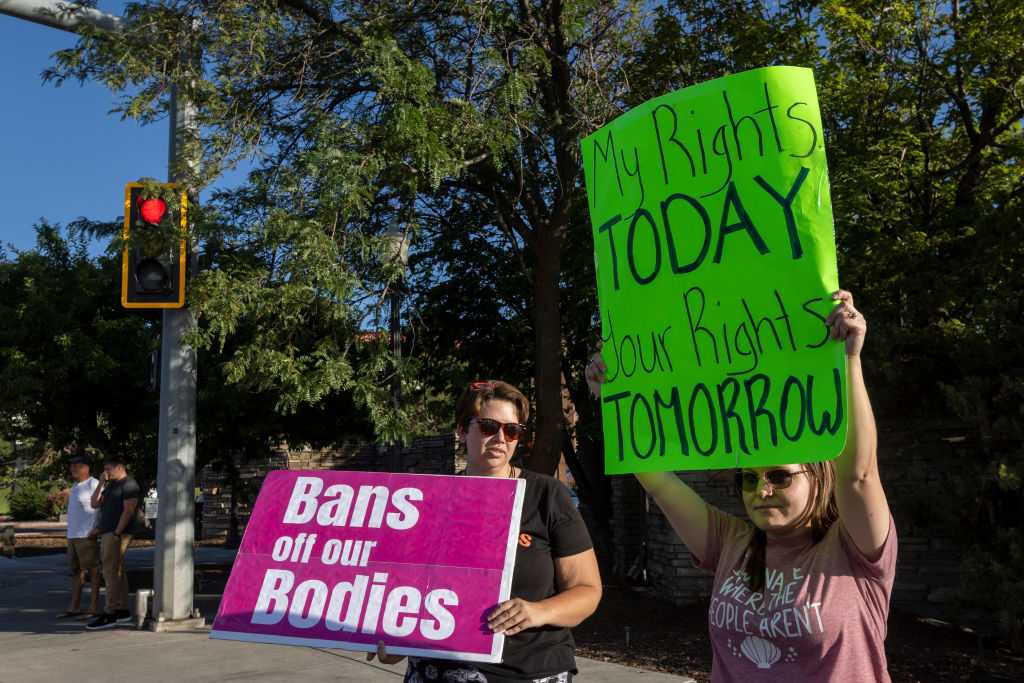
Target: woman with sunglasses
{"x":555,"y":584}
{"x":801,"y":591}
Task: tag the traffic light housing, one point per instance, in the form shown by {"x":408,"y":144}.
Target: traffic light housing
{"x":154,"y":259}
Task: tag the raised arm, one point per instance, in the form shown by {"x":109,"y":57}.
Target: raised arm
{"x":863,"y":508}
{"x":97,"y":495}
{"x":685,"y":510}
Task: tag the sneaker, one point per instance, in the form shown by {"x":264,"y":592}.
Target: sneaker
{"x":103,"y":621}
{"x":123,"y":616}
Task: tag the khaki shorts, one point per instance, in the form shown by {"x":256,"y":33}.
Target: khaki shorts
{"x":83,"y":553}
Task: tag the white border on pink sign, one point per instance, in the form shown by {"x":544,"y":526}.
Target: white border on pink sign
{"x":497,"y":644}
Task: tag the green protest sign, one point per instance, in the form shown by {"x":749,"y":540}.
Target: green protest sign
{"x":716,"y":260}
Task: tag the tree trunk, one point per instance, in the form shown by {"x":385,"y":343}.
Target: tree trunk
{"x":547,"y":325}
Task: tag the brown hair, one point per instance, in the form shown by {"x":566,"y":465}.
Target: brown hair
{"x":821,"y":512}
{"x":479,"y":393}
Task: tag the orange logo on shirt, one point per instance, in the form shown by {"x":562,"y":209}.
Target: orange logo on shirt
{"x":525,"y":540}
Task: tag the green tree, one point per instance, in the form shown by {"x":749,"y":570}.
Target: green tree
{"x":73,"y":364}
{"x":75,"y":368}
{"x":369,"y":112}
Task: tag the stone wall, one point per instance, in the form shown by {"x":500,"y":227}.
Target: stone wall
{"x":430,"y":455}
{"x":912,"y":464}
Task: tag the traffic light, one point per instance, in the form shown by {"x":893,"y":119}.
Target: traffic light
{"x":155,"y":254}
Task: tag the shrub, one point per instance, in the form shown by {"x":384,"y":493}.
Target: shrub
{"x":29,"y":500}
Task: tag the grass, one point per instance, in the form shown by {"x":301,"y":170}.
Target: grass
{"x":5,"y":506}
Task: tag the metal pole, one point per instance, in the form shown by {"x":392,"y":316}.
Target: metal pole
{"x":396,"y":343}
{"x":66,"y":16}
{"x":396,"y":381}
{"x":174,"y":605}
{"x":398,"y":249}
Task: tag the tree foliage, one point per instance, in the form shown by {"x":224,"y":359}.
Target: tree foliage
{"x":73,"y":365}
{"x":367,"y":112}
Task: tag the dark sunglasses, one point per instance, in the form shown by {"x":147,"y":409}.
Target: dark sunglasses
{"x":778,"y":479}
{"x":488,"y":427}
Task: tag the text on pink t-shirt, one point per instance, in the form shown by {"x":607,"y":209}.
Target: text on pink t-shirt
{"x":821,"y":617}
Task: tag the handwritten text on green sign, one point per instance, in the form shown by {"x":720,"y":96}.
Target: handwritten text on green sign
{"x":715,"y":257}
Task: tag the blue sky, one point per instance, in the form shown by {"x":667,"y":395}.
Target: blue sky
{"x":61,"y":154}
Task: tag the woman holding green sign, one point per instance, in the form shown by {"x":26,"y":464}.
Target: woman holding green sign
{"x":801,"y":592}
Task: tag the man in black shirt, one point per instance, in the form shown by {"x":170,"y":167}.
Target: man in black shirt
{"x":117,"y":498}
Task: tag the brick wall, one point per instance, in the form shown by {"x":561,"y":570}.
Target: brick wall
{"x":629,"y":503}
{"x":217,"y":494}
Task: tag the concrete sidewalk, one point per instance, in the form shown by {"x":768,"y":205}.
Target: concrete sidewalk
{"x":36,"y":648}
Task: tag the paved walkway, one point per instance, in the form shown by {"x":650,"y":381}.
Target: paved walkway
{"x":35,"y":648}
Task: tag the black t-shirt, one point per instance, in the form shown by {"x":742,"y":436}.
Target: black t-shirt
{"x":114,"y":495}
{"x":551,"y":527}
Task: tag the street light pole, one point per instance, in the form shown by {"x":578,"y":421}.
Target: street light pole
{"x":399,"y":251}
{"x":396,"y":342}
{"x":173,"y":577}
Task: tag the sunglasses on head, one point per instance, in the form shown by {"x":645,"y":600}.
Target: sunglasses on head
{"x":488,"y":427}
{"x":778,"y":479}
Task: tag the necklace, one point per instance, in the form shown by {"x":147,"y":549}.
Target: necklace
{"x":511,"y":472}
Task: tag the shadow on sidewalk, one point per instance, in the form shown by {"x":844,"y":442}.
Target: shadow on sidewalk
{"x":34,"y":589}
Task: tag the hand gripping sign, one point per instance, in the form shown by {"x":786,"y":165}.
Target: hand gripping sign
{"x":347,"y":559}
{"x":716,"y":259}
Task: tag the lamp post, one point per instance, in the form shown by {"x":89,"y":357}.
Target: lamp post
{"x":398,"y":251}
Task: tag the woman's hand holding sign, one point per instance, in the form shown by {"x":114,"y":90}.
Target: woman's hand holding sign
{"x":861,"y":502}
{"x":515,"y":615}
{"x":578,"y":582}
{"x":846,"y":323}
{"x":382,"y":655}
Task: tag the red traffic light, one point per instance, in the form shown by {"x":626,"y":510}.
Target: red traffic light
{"x":154,"y":271}
{"x":152,"y":210}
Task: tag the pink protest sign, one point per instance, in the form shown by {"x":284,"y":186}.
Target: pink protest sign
{"x":347,"y":559}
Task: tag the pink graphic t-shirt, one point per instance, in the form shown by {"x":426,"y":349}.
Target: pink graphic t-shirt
{"x":821,"y":617}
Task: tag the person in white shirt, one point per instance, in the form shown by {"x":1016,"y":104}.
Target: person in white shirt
{"x":83,"y":547}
